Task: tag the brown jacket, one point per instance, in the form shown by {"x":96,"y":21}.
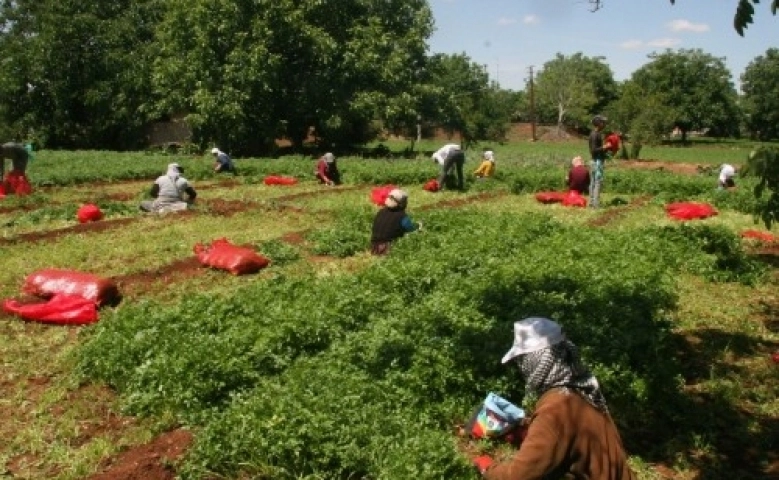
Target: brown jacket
{"x":567,"y":438}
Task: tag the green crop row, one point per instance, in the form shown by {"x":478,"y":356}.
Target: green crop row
{"x":364,"y":375}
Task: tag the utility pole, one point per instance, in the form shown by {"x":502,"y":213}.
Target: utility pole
{"x":532,"y":107}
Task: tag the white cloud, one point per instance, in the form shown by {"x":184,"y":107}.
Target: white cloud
{"x":631,"y":44}
{"x":503,"y":21}
{"x":687,"y":26}
{"x":530,"y":19}
{"x":664,"y":42}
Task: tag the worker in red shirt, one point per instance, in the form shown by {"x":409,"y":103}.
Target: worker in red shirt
{"x":578,"y":176}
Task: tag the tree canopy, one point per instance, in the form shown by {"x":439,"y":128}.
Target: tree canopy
{"x":760,"y":86}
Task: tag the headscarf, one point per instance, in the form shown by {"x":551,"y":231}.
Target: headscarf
{"x":560,"y":366}
{"x":396,"y":199}
{"x":328,"y":157}
{"x":577,"y":161}
{"x":489,"y":155}
{"x":174,"y":171}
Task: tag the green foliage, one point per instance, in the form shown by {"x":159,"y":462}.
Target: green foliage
{"x":763,"y":163}
{"x":345,"y":236}
{"x":760,"y":84}
{"x":280,"y":253}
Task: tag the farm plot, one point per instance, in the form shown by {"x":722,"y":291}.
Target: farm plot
{"x":332,"y":363}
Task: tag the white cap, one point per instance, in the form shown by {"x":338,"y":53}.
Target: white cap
{"x":489,"y":155}
{"x":329,"y":157}
{"x":532,"y":334}
{"x":214,"y":150}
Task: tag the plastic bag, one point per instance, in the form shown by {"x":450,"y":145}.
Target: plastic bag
{"x":60,"y":309}
{"x":431,"y":186}
{"x":279,"y":180}
{"x":550,"y":197}
{"x":224,"y":255}
{"x":574,"y":199}
{"x":689,"y":210}
{"x":16,"y":182}
{"x":380,"y":194}
{"x":49,"y":282}
{"x":89,"y":213}
{"x":495,"y":417}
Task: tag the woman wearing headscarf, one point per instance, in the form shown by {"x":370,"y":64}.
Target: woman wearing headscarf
{"x":578,"y":176}
{"x":726,"y":175}
{"x":487,"y":167}
{"x":171,"y":192}
{"x":570,"y":433}
{"x":222,"y":162}
{"x":327,"y":170}
{"x":391,"y":222}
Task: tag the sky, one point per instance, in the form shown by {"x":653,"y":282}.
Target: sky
{"x":510,"y":36}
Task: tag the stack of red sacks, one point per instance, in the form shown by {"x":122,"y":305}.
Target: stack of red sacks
{"x":72,"y":297}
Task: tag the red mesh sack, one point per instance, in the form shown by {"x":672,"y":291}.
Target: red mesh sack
{"x":431,"y":186}
{"x":223,"y":255}
{"x":16,"y":182}
{"x":614,"y":140}
{"x":49,"y":282}
{"x":380,"y":194}
{"x":89,"y":213}
{"x":550,"y":197}
{"x":279,"y":180}
{"x":574,"y":199}
{"x":60,"y":309}
{"x":2,"y":191}
{"x":689,"y":210}
{"x":764,"y":237}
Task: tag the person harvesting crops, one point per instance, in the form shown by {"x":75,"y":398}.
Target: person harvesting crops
{"x":16,"y":180}
{"x":726,"y":177}
{"x":327,"y":170}
{"x":578,"y":176}
{"x":222,"y":162}
{"x":570,"y":433}
{"x":391,"y":222}
{"x":450,"y":157}
{"x":487,"y":167}
{"x":598,"y":152}
{"x":172,"y":192}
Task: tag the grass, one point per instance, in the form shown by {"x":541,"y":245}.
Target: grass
{"x":58,"y":428}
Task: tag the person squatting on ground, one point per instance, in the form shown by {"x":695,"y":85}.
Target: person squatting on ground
{"x":598,"y":153}
{"x":19,"y":156}
{"x":327,"y":170}
{"x":171,"y":192}
{"x":578,"y":176}
{"x":391,"y":222}
{"x":726,"y":175}
{"x":449,"y":157}
{"x":570,"y":433}
{"x":222,"y":162}
{"x":487,"y":167}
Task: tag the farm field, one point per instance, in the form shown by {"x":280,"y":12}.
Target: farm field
{"x":331,"y":363}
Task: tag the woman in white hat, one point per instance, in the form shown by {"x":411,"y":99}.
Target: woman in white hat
{"x":726,"y":175}
{"x":391,"y":222}
{"x":327,"y":170}
{"x":487,"y":167}
{"x":571,"y":432}
{"x":222,"y":162}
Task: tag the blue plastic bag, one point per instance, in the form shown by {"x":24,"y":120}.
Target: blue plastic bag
{"x":495,"y":417}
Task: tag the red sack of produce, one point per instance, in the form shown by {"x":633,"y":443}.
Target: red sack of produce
{"x":89,"y":213}
{"x":614,"y":141}
{"x":764,"y":237}
{"x":431,"y":186}
{"x":17,"y":183}
{"x":2,"y":191}
{"x":60,"y":309}
{"x":380,"y":194}
{"x":49,"y":282}
{"x":689,"y":210}
{"x":550,"y":197}
{"x":224,"y":255}
{"x":279,"y":180}
{"x":574,"y":199}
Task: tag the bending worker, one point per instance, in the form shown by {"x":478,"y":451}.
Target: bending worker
{"x":19,"y":156}
{"x":449,"y":157}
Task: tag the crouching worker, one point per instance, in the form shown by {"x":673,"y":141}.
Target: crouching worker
{"x":171,"y":191}
{"x":578,"y":176}
{"x":327,"y":170}
{"x":487,"y":167}
{"x":726,"y":177}
{"x":570,"y":433}
{"x":222,"y":162}
{"x":16,"y":180}
{"x":391,"y":222}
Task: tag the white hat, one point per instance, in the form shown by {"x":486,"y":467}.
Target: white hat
{"x":215,"y":150}
{"x":532,"y":334}
{"x":489,"y":155}
{"x":329,"y":157}
{"x":396,"y":198}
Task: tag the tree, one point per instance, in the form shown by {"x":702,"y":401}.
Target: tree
{"x":574,"y":87}
{"x":467,"y":103}
{"x":763,"y":162}
{"x":248,"y":72}
{"x":695,"y":86}
{"x":75,"y":72}
{"x":760,"y":85}
{"x":643,"y":116}
{"x":741,"y":20}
